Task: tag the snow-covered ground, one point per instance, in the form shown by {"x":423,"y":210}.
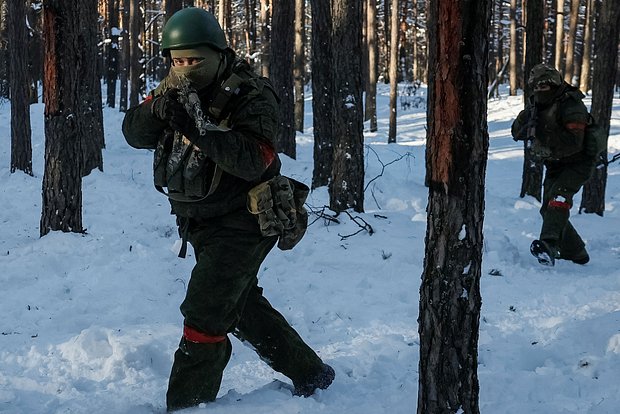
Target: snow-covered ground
{"x":90,"y":322}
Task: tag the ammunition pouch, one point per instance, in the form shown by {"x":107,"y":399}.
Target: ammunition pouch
{"x":279,"y":206}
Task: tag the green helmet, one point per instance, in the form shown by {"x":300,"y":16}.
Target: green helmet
{"x":192,"y":27}
{"x":544,"y":74}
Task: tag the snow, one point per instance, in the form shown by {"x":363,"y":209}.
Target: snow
{"x":90,"y":322}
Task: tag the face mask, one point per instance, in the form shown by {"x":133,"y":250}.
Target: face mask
{"x":545,"y":97}
{"x":204,"y":73}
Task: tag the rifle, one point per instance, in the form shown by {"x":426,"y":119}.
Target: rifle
{"x":531,"y":124}
{"x":604,"y":162}
{"x":188,"y":97}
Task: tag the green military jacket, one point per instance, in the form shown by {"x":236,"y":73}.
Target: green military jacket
{"x":210,"y":175}
{"x":552,"y":140}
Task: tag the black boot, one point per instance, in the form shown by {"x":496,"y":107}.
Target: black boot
{"x":546,"y":252}
{"x":322,"y":380}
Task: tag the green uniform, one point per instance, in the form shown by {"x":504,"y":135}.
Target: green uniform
{"x":559,"y":141}
{"x":207,"y":179}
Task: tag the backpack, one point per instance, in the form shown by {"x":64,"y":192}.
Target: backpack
{"x":595,"y":139}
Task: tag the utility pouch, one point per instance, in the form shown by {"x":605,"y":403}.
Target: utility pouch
{"x":279,"y":206}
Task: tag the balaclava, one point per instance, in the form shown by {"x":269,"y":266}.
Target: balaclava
{"x":203,"y":73}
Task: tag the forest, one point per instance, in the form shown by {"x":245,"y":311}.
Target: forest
{"x":362,"y":70}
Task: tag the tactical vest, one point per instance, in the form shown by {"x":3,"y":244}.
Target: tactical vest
{"x":178,"y":165}
{"x":553,"y":141}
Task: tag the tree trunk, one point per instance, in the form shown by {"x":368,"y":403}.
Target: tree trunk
{"x":322,"y":92}
{"x":584,"y":83}
{"x":393,"y":71}
{"x":4,"y":51}
{"x":125,"y":56}
{"x":265,"y":36}
{"x":514,"y":42}
{"x":559,"y":35}
{"x":136,"y":56}
{"x":112,"y":72}
{"x":34,"y":14}
{"x":90,"y":118}
{"x":457,"y":147}
{"x":371,"y":38}
{"x":604,"y":76}
{"x":21,"y":144}
{"x":346,"y":188}
{"x":281,"y":70}
{"x":569,"y":72}
{"x":62,"y":178}
{"x":532,"y":168}
{"x":173,"y":6}
{"x":300,"y":63}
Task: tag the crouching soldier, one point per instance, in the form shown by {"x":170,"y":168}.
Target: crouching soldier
{"x":212,"y":123}
{"x":555,"y":121}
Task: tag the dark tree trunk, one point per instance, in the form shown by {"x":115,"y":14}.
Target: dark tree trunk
{"x":531,"y":183}
{"x":62,"y":179}
{"x":281,"y":70}
{"x":112,"y":72}
{"x":125,"y":56}
{"x":4,"y":51}
{"x":173,"y":6}
{"x":300,"y":62}
{"x":371,"y":39}
{"x":34,"y":14}
{"x":136,"y":75}
{"x":322,"y":92}
{"x":393,"y":70}
{"x":346,"y":188}
{"x":21,"y":145}
{"x":457,"y":148}
{"x":604,"y":76}
{"x":90,"y":118}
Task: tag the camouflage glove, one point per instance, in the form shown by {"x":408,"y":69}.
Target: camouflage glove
{"x":167,"y":106}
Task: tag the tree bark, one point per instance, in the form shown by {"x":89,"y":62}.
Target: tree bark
{"x":559,"y":35}
{"x":371,"y":38}
{"x":136,"y":54}
{"x":90,"y":118}
{"x":514,"y":42}
{"x":125,"y":60}
{"x":450,"y":299}
{"x":393,"y":70}
{"x":62,"y":178}
{"x":584,"y":83}
{"x":112,"y":72}
{"x":299,"y":63}
{"x":4,"y":51}
{"x":604,"y":76}
{"x":346,"y":188}
{"x":569,"y":72}
{"x":531,"y":183}
{"x":21,"y":144}
{"x":34,"y":14}
{"x":265,"y":36}
{"x":281,"y":70}
{"x":322,"y":92}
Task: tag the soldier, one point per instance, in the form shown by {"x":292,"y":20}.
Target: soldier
{"x":555,"y":122}
{"x":207,"y":163}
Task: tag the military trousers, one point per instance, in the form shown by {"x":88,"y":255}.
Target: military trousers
{"x":562,"y":182}
{"x":223,"y":297}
